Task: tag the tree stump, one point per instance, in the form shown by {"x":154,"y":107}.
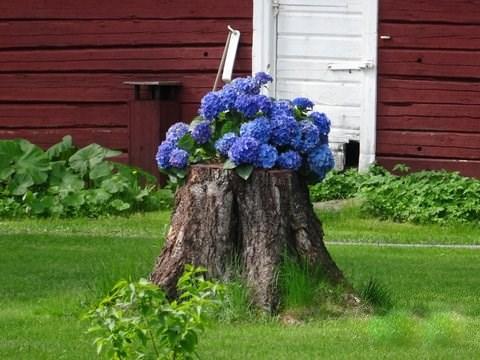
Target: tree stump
{"x":219,"y":217}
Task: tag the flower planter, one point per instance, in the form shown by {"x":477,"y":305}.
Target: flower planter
{"x":220,"y":219}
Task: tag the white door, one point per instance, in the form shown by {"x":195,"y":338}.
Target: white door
{"x":325,"y":50}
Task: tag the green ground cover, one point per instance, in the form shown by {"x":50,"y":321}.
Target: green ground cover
{"x":54,"y":270}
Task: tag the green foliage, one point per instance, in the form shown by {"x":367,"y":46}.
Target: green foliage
{"x":22,"y":165}
{"x":423,"y":197}
{"x":338,"y":185}
{"x":244,"y":171}
{"x":136,"y":319}
{"x":65,"y":181}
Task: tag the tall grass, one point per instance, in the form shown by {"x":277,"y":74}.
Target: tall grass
{"x":376,"y":295}
{"x":306,"y":292}
{"x":300,"y":283}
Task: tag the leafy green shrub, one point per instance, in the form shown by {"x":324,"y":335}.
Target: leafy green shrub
{"x":65,"y":181}
{"x":422,"y":197}
{"x":338,"y":185}
{"x":136,"y":319}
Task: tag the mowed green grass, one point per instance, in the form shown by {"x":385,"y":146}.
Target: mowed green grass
{"x":54,"y":270}
{"x":351,"y":225}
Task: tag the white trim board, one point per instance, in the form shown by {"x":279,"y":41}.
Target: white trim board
{"x":264,"y":56}
{"x":263,"y":42}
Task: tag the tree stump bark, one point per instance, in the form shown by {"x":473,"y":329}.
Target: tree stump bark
{"x":219,"y":217}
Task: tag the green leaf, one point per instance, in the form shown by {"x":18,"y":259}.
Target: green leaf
{"x":58,"y":171}
{"x":134,"y":173}
{"x":88,"y":157}
{"x":42,"y":205}
{"x":114,"y":184}
{"x":229,"y":126}
{"x":244,"y":171}
{"x":33,"y":162}
{"x":101,"y":170}
{"x":20,"y":183}
{"x":186,"y":143}
{"x":72,"y":182}
{"x":63,"y":180}
{"x":21,"y":157}
{"x":229,"y":165}
{"x":180,"y":173}
{"x":6,"y":172}
{"x":120,"y":205}
{"x":9,"y":151}
{"x":299,"y":115}
{"x":98,"y":196}
{"x":74,"y":200}
{"x":172,"y":179}
{"x":63,"y":150}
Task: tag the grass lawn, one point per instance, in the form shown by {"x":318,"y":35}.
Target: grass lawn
{"x":350,"y":225}
{"x":52,"y":271}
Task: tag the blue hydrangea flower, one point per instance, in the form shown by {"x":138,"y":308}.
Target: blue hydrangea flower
{"x":176,"y":131}
{"x":289,"y":160}
{"x":284,"y":130}
{"x":228,"y":96}
{"x":323,"y":139}
{"x":178,"y":158}
{"x":202,"y":132}
{"x":321,"y":121}
{"x":264,"y":103}
{"x":303,"y":103}
{"x":163,"y":154}
{"x":211,"y":105}
{"x":247,"y":105}
{"x":263,"y":78}
{"x":320,"y":160}
{"x":258,"y":128}
{"x":308,"y":137}
{"x":281,"y":107}
{"x":244,"y":150}
{"x":246,"y":85}
{"x":267,"y":156}
{"x":224,"y":144}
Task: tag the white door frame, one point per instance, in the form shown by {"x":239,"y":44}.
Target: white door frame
{"x":264,"y":46}
{"x":264,"y":59}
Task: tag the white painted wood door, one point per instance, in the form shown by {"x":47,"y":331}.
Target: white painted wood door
{"x":326,"y":50}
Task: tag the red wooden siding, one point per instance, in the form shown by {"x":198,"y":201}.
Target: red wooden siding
{"x":63,"y":63}
{"x":429,"y":85}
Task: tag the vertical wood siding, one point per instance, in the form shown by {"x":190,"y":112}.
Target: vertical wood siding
{"x":429,"y":85}
{"x":63,"y":62}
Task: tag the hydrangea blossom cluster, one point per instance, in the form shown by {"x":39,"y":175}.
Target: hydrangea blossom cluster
{"x":224,"y":144}
{"x":244,"y":150}
{"x":303,"y":103}
{"x":240,"y":126}
{"x":202,"y":132}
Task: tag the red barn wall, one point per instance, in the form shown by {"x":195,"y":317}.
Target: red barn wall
{"x":63,"y":62}
{"x":429,"y":85}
